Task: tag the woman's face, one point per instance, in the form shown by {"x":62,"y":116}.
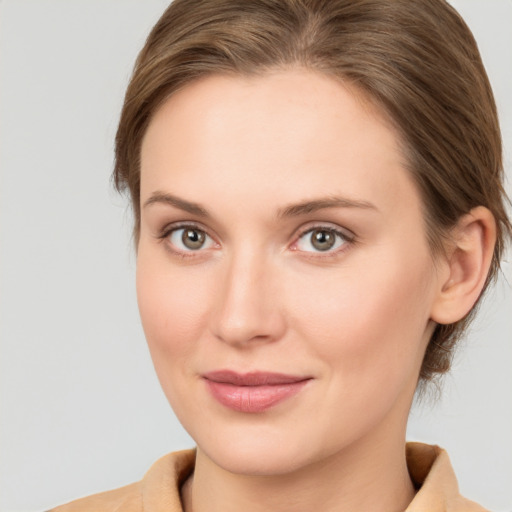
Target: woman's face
{"x":284,"y":278}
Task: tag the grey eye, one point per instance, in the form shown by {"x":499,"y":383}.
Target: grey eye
{"x":321,"y":240}
{"x":193,"y":239}
{"x":190,"y":238}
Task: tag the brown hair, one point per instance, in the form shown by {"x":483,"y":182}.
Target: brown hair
{"x":416,"y":59}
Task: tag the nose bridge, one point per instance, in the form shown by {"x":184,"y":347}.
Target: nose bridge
{"x":246,"y":308}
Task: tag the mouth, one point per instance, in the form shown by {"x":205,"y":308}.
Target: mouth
{"x":253,"y":392}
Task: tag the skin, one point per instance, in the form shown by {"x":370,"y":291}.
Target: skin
{"x":258,"y":295}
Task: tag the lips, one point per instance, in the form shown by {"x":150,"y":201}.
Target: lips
{"x":253,"y":392}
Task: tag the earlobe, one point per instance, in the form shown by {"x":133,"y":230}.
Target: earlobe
{"x":467,"y":264}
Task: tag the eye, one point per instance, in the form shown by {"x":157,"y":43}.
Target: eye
{"x":321,"y":239}
{"x":188,"y":238}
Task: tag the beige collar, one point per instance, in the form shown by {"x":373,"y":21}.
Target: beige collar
{"x":159,"y":490}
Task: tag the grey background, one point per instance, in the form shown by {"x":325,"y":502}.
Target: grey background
{"x":81,"y":409}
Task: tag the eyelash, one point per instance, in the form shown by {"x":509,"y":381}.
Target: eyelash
{"x":168,"y":230}
{"x":348,"y":239}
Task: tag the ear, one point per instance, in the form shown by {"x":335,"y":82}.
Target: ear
{"x":465,"y":266}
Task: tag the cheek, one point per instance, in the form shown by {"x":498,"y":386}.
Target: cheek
{"x":172,"y":311}
{"x":368,"y":318}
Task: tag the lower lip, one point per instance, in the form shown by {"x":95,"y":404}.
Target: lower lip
{"x":253,"y":398}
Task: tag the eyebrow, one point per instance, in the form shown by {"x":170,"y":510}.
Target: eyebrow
{"x":323,"y":203}
{"x":292,"y":210}
{"x":182,"y":204}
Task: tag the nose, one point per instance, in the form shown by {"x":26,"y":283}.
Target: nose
{"x":248,"y":308}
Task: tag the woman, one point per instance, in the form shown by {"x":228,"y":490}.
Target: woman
{"x":318,"y":205}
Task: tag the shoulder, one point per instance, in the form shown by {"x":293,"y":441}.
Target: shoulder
{"x":127,"y":499}
{"x":432,"y":473}
{"x":160,"y":487}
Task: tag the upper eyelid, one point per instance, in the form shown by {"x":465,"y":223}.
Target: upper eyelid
{"x":328,"y":226}
{"x":302,"y":229}
{"x":173,"y":226}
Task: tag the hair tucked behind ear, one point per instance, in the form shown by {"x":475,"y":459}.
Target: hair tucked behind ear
{"x":415,"y":59}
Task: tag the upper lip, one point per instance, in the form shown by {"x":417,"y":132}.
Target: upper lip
{"x":255,"y":378}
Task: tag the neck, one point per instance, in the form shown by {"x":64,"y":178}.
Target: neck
{"x":364,"y":477}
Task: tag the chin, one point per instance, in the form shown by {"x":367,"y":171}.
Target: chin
{"x":258,"y":450}
{"x":257,"y":460}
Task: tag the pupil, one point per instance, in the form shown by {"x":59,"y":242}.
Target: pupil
{"x":322,"y":240}
{"x":193,"y":238}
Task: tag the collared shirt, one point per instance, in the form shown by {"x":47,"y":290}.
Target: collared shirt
{"x":159,"y":490}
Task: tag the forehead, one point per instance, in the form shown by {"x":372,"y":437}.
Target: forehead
{"x":296,"y":132}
